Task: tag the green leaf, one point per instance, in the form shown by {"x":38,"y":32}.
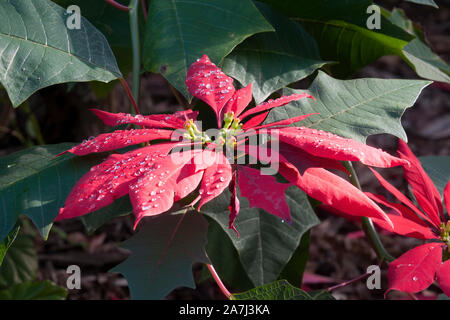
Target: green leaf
{"x":353,"y":108}
{"x":438,"y":168}
{"x":38,"y":50}
{"x":36,"y":183}
{"x":340,"y":29}
{"x":115,"y":26}
{"x":353,"y":46}
{"x":399,"y":18}
{"x":20,"y":263}
{"x":162,"y":254}
{"x":265,"y":243}
{"x":6,"y":243}
{"x":225,"y":258}
{"x":180,"y":31}
{"x":38,"y":290}
{"x":425,"y":2}
{"x":281,"y":290}
{"x":272,"y":60}
{"x":425,"y":62}
{"x":95,"y":220}
{"x":293,"y":271}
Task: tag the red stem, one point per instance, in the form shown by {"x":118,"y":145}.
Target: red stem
{"x":144,"y":8}
{"x":346,"y":283}
{"x":219,"y":282}
{"x":130,"y":95}
{"x":118,"y":5}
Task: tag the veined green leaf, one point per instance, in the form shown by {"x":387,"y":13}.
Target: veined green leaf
{"x":38,"y":49}
{"x":272,"y":60}
{"x":162,"y":254}
{"x":36,"y":183}
{"x":353,"y":108}
{"x":180,"y":31}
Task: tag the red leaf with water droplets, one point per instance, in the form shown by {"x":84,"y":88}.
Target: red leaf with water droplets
{"x":110,"y":179}
{"x":175,"y":121}
{"x":328,"y":145}
{"x":263,"y":191}
{"x":154,"y":193}
{"x":119,"y":139}
{"x":332,"y":190}
{"x":269,"y":104}
{"x":423,"y":188}
{"x":303,"y":160}
{"x":415,"y":270}
{"x":239,"y":101}
{"x":208,"y":83}
{"x":443,"y":277}
{"x":215,"y":179}
{"x":187,"y":181}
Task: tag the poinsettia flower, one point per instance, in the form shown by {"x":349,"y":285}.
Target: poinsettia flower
{"x":168,"y":170}
{"x":419,"y":267}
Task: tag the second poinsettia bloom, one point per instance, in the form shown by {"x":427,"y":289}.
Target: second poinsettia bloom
{"x":183,"y":160}
{"x":419,"y":267}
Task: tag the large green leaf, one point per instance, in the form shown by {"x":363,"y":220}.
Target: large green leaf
{"x":281,"y":290}
{"x":20,"y":263}
{"x":354,"y":108}
{"x":438,"y":168}
{"x":162,"y":254}
{"x":272,"y":60}
{"x":340,"y":29}
{"x":38,"y":290}
{"x":36,"y":183}
{"x":265,"y":243}
{"x":225,"y":258}
{"x":180,"y":31}
{"x":294,"y":269}
{"x":38,"y":49}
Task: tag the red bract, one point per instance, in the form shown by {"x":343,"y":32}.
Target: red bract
{"x":158,"y":175}
{"x":416,"y":269}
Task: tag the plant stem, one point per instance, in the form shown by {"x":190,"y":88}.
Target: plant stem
{"x":134,"y":30}
{"x":219,"y":282}
{"x":130,"y":95}
{"x":144,"y":8}
{"x":346,"y":283}
{"x":367,"y":224}
{"x":117,"y":5}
